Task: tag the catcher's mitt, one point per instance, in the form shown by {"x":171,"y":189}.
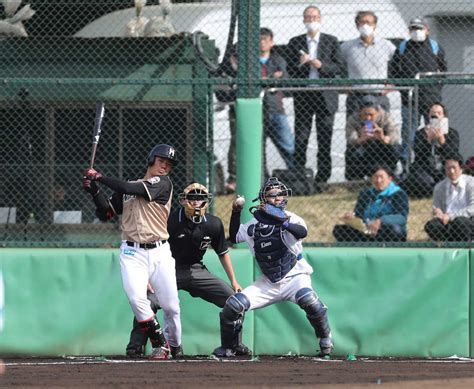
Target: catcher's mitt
{"x":269,"y":214}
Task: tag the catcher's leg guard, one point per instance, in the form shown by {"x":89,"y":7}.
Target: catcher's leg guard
{"x":153,"y":330}
{"x":231,"y":318}
{"x":315,"y":310}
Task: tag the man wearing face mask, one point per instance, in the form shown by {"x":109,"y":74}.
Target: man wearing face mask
{"x":418,"y":54}
{"x":367,"y":57}
{"x":433,"y":143}
{"x":314,"y":55}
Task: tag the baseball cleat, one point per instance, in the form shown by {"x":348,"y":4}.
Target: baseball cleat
{"x":326,"y":347}
{"x":160,"y":353}
{"x":222,"y":352}
{"x":242,"y":350}
{"x":135,"y":353}
{"x":176,"y":352}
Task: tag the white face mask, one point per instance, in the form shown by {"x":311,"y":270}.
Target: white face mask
{"x":313,"y":26}
{"x":418,"y":35}
{"x":365,"y":30}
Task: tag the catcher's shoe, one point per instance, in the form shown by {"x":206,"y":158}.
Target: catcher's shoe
{"x":177,"y":352}
{"x":242,"y":350}
{"x":160,"y":353}
{"x":222,"y":352}
{"x":326,"y":347}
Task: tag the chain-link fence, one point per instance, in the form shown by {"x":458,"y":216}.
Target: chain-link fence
{"x":342,"y":97}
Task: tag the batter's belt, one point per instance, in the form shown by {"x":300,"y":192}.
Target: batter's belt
{"x":146,"y":246}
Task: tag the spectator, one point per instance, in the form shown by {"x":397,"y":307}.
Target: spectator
{"x":418,"y":54}
{"x":469,"y":166}
{"x":228,"y":95}
{"x":381,"y":211}
{"x":371,"y":136}
{"x":367,"y":57}
{"x":314,"y":55}
{"x":433,"y":143}
{"x":276,"y":124}
{"x":453,"y":205}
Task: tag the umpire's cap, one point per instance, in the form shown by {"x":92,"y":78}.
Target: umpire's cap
{"x":164,"y":151}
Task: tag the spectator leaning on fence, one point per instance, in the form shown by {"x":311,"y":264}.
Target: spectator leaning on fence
{"x":418,"y":54}
{"x":367,"y":57}
{"x":453,"y":205}
{"x":276,"y":125}
{"x":314,"y":55}
{"x":433,"y":143}
{"x":372,"y":136}
{"x":380,"y":213}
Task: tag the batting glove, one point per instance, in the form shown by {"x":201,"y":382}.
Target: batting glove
{"x":90,"y":186}
{"x":92,"y":174}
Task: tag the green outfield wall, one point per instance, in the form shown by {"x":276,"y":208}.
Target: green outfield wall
{"x":381,"y":301}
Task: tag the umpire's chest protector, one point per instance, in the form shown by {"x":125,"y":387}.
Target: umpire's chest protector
{"x":273,"y":257}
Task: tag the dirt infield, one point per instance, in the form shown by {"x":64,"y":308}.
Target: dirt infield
{"x":119,"y":372}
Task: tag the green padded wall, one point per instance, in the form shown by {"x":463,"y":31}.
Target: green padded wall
{"x":382,"y":302}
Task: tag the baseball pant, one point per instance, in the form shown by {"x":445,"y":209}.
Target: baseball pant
{"x":156,"y":266}
{"x":198,"y":282}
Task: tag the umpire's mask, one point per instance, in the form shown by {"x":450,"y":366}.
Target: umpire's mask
{"x":195,"y":199}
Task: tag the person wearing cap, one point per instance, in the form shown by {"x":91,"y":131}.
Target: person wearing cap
{"x":145,"y":254}
{"x":433,"y":142}
{"x":372,"y":136}
{"x":367,"y":57}
{"x":453,"y":205}
{"x":418,"y":54}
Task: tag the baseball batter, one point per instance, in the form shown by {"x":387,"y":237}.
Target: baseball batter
{"x":145,"y":255}
{"x":192,"y":231}
{"x":274,"y":237}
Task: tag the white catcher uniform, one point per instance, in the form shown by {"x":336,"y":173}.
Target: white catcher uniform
{"x":264,"y":292}
{"x":274,"y":237}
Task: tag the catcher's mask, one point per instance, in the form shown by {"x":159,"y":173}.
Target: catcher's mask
{"x":273,"y":187}
{"x":195,"y":192}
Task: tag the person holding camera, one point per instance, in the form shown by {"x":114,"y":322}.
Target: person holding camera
{"x":372,"y":136}
{"x":433,"y":142}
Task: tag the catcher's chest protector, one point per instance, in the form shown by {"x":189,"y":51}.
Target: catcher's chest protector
{"x":273,"y":257}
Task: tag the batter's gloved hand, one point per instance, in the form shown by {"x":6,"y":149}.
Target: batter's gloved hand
{"x":92,"y":174}
{"x":90,"y":186}
{"x":274,"y":212}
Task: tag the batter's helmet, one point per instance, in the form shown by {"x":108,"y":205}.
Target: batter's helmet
{"x":164,"y":151}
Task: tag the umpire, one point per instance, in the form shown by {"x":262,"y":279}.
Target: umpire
{"x":192,"y":231}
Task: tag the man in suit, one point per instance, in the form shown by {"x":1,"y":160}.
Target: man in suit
{"x":453,"y":205}
{"x":314,"y":55}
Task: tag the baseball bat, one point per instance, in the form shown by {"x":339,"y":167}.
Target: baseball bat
{"x":99,"y":115}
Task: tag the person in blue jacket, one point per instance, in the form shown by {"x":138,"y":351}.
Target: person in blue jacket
{"x":382,"y":211}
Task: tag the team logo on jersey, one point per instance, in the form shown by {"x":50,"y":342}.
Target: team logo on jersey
{"x":129,"y":252}
{"x":205,"y":243}
{"x":180,"y":236}
{"x":154,"y":180}
{"x":128,"y":198}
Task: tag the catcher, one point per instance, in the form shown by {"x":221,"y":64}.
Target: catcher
{"x":274,"y":237}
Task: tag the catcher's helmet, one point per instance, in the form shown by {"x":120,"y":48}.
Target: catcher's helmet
{"x":274,"y":183}
{"x":192,"y":192}
{"x":164,"y":151}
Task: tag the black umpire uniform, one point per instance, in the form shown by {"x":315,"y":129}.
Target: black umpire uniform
{"x":189,"y":241}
